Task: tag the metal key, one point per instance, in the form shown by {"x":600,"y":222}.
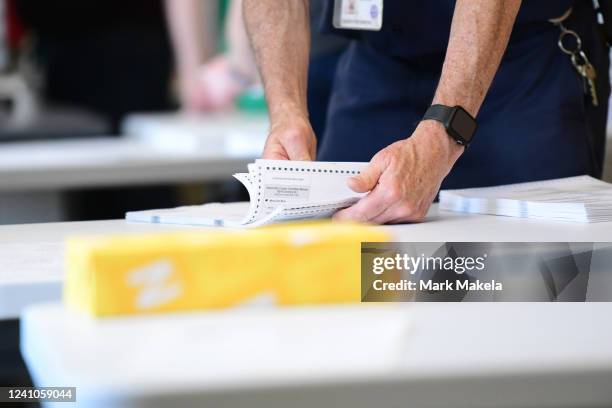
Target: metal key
{"x":588,"y":73}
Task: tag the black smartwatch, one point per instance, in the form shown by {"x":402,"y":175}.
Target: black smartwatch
{"x":459,"y":124}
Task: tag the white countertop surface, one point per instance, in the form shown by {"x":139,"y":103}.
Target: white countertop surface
{"x":418,"y":355}
{"x":31,"y":255}
{"x":167,"y":148}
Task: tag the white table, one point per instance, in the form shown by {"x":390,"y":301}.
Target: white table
{"x":163,"y":149}
{"x":452,"y":355}
{"x":31,"y":255}
{"x":155,"y":153}
{"x":423,"y":355}
{"x":236,"y":132}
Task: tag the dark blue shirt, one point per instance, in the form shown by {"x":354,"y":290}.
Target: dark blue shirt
{"x":421,"y":28}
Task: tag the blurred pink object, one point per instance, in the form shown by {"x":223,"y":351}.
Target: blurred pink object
{"x":215,"y":87}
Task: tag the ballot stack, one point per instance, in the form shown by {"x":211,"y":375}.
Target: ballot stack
{"x":290,"y":264}
{"x":581,"y":199}
{"x":279,"y":191}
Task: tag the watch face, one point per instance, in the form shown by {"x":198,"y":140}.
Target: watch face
{"x":463,"y":125}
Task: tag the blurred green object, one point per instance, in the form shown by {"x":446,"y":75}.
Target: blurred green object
{"x":223,"y":6}
{"x":252,"y":100}
{"x":223,"y":9}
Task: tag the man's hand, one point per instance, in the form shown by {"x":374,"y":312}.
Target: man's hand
{"x":403,"y":178}
{"x":280,"y":36}
{"x":291,"y":138}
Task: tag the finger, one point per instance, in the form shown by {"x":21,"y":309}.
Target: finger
{"x":395,"y":213}
{"x":399,"y":214}
{"x":367,"y":180}
{"x":408,"y":219}
{"x":366,"y":209}
{"x":274,"y":151}
{"x":313,"y":151}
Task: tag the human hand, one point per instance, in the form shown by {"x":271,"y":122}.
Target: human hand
{"x":191,"y":95}
{"x":404,"y":178}
{"x":291,"y":138}
{"x":222,"y":83}
{"x":213,"y":87}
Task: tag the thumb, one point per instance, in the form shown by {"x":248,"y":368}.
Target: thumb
{"x":367,"y":180}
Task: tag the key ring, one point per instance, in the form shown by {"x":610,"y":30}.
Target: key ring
{"x":559,"y":20}
{"x":578,"y":58}
{"x":565,"y":32}
{"x":584,"y":60}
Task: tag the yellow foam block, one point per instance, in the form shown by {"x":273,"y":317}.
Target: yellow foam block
{"x":309,"y":263}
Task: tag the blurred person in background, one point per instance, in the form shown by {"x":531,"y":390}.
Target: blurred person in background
{"x":208,"y":80}
{"x":110,"y":56}
{"x":215,"y":84}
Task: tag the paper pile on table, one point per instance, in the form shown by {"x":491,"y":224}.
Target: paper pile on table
{"x":278,"y":190}
{"x":574,"y":199}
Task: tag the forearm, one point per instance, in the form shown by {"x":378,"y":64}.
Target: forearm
{"x":280,"y":37}
{"x":479,"y":36}
{"x":193,"y":38}
{"x":239,"y":51}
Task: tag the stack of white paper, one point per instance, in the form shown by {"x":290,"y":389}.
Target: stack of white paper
{"x":278,"y":191}
{"x":574,"y":199}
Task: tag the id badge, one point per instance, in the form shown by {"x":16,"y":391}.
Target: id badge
{"x":358,"y":14}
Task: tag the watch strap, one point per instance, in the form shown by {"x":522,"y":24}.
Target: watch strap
{"x":446,"y":115}
{"x":440,"y":113}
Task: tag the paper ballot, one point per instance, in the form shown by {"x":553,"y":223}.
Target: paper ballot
{"x":575,"y":199}
{"x":278,"y":191}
